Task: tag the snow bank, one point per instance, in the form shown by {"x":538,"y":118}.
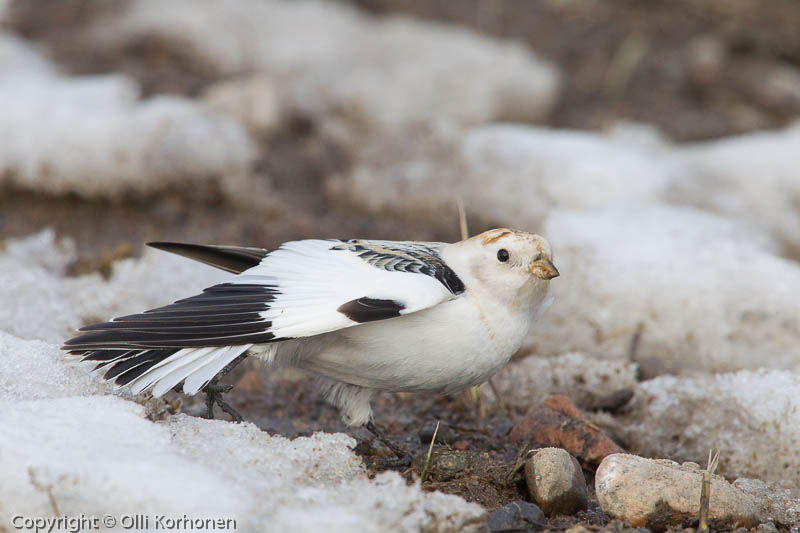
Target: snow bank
{"x":99,"y":455}
{"x":753,"y":418}
{"x":752,"y":177}
{"x":49,"y":306}
{"x":91,"y":135}
{"x":590,"y":382}
{"x":508,"y":174}
{"x":34,"y":370}
{"x":18,"y":58}
{"x":708,"y":292}
{"x":381,"y":73}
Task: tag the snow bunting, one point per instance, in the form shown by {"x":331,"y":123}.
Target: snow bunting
{"x":365,"y":315}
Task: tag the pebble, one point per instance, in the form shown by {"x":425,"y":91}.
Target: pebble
{"x":661,"y":494}
{"x":556,"y":422}
{"x":767,"y":527}
{"x":516,"y":515}
{"x":555,"y":482}
{"x":445,"y":435}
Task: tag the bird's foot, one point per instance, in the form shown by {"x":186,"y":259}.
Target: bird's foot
{"x":214,"y":392}
{"x":403,"y":458}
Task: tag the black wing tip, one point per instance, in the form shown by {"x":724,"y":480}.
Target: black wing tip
{"x":234,"y":259}
{"x":165,"y":244}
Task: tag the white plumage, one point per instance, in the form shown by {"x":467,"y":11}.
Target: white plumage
{"x":366,"y":315}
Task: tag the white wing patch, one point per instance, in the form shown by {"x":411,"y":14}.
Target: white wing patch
{"x":314,"y":279}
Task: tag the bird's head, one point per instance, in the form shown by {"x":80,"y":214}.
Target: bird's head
{"x":514,"y":266}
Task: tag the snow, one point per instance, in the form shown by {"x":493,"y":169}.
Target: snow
{"x":709,"y":293}
{"x":19,"y":59}
{"x":589,"y":381}
{"x":509,"y":175}
{"x":51,"y":307}
{"x":375,"y":73}
{"x":92,"y":136}
{"x":752,"y":417}
{"x":99,"y":455}
{"x":752,"y":177}
{"x":34,"y":370}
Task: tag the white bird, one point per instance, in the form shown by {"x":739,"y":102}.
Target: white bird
{"x":366,"y":315}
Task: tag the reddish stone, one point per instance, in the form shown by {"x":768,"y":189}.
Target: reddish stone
{"x":461,"y":445}
{"x":556,"y":422}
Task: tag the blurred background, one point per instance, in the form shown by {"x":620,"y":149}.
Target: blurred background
{"x":255,"y":122}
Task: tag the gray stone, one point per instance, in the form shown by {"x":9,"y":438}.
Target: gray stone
{"x":516,"y":515}
{"x":555,"y":482}
{"x":767,"y":527}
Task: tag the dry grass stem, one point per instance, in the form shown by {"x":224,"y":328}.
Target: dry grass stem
{"x":430,"y":451}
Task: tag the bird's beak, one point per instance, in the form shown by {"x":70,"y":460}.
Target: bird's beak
{"x":543,"y":269}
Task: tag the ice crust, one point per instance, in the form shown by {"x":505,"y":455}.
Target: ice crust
{"x":94,"y":137}
{"x":50,"y":306}
{"x":374,"y":73}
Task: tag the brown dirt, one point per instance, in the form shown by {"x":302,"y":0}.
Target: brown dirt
{"x":480,"y":470}
{"x":695,"y":68}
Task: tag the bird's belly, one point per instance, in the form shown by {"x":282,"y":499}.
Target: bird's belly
{"x":442,"y":349}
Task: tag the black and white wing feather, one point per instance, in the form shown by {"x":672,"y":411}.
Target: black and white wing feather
{"x":302,"y":289}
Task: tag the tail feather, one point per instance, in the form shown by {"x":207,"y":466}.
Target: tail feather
{"x":173,"y":371}
{"x":206,"y":372}
{"x":163,"y":369}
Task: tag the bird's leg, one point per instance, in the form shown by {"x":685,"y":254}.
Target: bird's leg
{"x":214,"y":392}
{"x":404,"y":458}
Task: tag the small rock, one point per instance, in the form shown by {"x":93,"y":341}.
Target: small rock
{"x":444,"y":435}
{"x":555,"y":482}
{"x":661,"y":494}
{"x":767,"y":527}
{"x":461,"y":445}
{"x":556,"y":422}
{"x":516,"y":515}
{"x":578,"y":528}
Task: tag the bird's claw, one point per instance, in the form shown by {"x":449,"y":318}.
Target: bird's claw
{"x":403,"y":458}
{"x":214,"y":394}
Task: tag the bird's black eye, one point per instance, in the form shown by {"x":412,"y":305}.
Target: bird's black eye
{"x":502,"y":255}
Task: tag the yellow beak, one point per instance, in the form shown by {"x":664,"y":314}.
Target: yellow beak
{"x":543,"y":269}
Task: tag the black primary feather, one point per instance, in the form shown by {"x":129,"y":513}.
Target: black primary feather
{"x":235,"y":259}
{"x":223,"y":315}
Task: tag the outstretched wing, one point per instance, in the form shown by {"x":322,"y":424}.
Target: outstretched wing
{"x":324,"y":285}
{"x":304,"y":288}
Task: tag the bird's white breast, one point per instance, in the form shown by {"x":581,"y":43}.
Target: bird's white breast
{"x":443,"y":349}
